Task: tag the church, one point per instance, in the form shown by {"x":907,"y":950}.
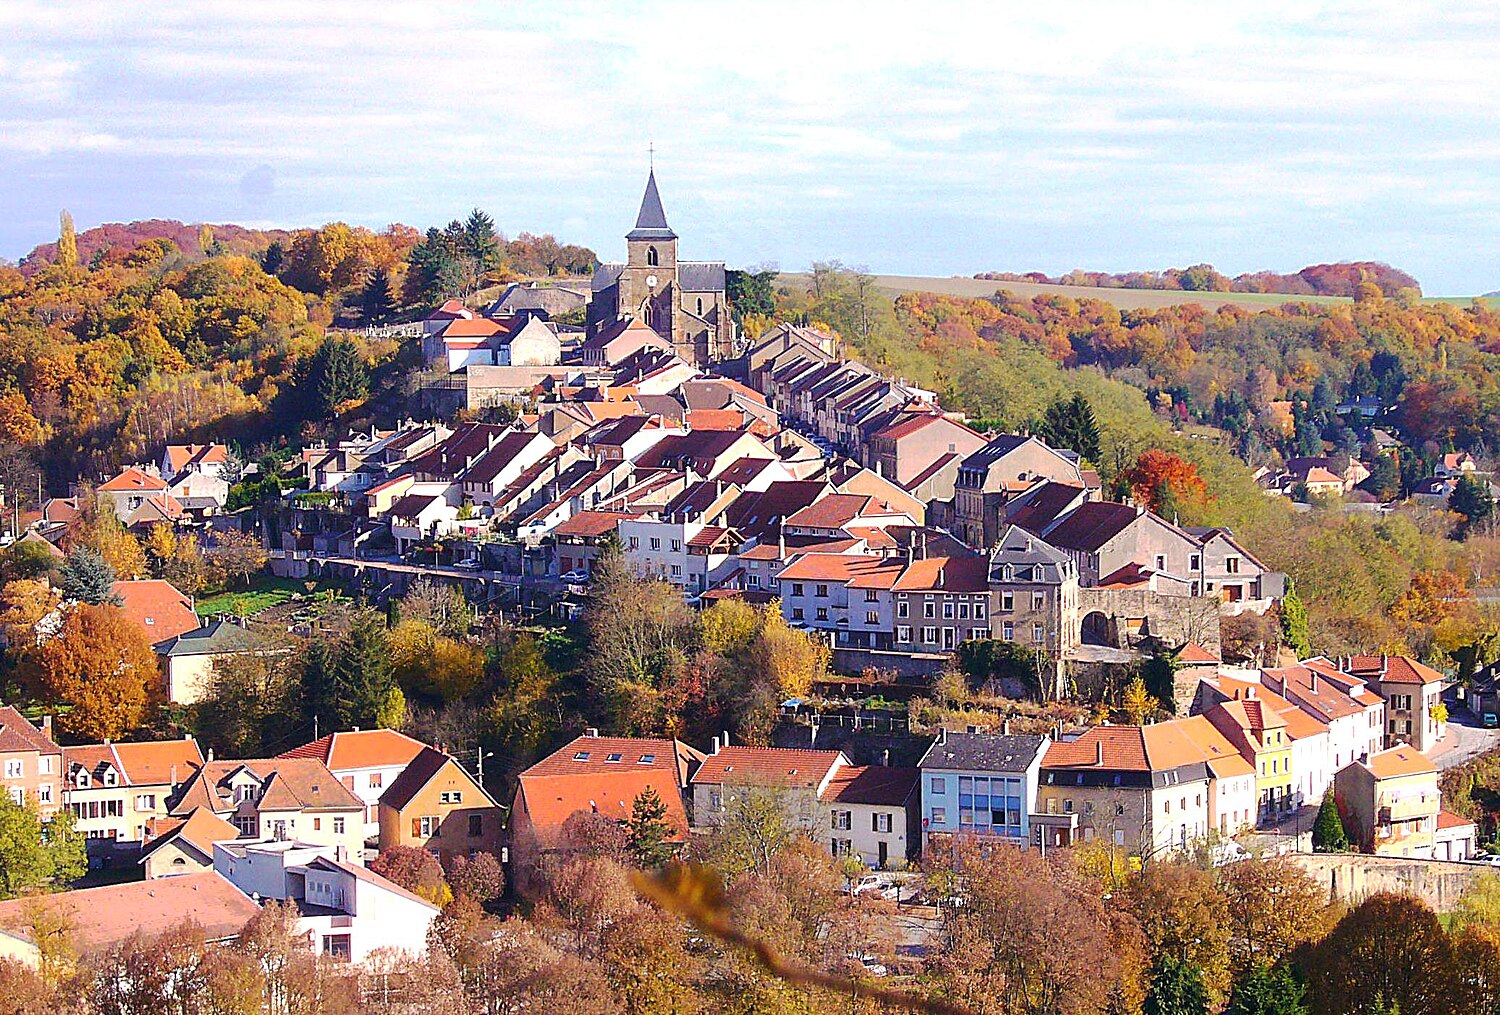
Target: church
{"x":682,"y":301}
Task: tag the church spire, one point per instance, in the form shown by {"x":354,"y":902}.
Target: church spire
{"x":651,"y":223}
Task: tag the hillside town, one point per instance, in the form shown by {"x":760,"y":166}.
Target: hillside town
{"x":1133,"y":687}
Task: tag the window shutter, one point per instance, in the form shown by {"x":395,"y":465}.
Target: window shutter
{"x":874,"y":822}
{"x":416,"y":827}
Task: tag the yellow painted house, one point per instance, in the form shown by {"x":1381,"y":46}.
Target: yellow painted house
{"x":1261,"y":736}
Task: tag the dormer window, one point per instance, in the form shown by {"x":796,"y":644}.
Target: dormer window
{"x":82,"y":779}
{"x":110,"y":778}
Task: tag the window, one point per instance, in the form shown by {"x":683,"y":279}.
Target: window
{"x":939,"y":816}
{"x":979,"y":633}
{"x":336,"y":947}
{"x":613,"y":759}
{"x":1232,"y":565}
{"x":648,"y":759}
{"x":842,"y":820}
{"x":338,"y":826}
{"x":929,"y":610}
{"x":145,"y":802}
{"x":377,"y":780}
{"x":929,"y":635}
{"x":676,"y":570}
{"x":425,"y":827}
{"x":581,"y":756}
{"x":979,"y":610}
{"x":947,"y":610}
{"x":14,"y":770}
{"x":1008,"y":631}
{"x":245,"y":825}
{"x":635,"y":542}
{"x":939,"y":784}
{"x":111,"y":778}
{"x":1195,"y":562}
{"x":1088,"y":807}
{"x":1119,"y":810}
{"x":1161,"y":561}
{"x":715,"y":800}
{"x":963,"y":611}
{"x":796,"y":588}
{"x":656,"y":542}
{"x":903,"y":634}
{"x":1067,"y":806}
{"x":676,"y":545}
{"x":17,"y":795}
{"x":880,"y":822}
{"x":903,"y":609}
{"x":872,"y":618}
{"x":1039,"y":600}
{"x":651,"y":256}
{"x":823,"y":613}
{"x":476,"y":825}
{"x":1037,"y":633}
{"x":821,"y":592}
{"x":44,"y":793}
{"x":317,"y":824}
{"x":1166,"y":806}
{"x":796,"y":613}
{"x":1007,"y":602}
{"x":842,"y":847}
{"x":457,"y":797}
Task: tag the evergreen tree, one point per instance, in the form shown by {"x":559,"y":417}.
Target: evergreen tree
{"x":1071,"y":425}
{"x":1384,"y":481}
{"x":67,"y":240}
{"x":1177,"y":988}
{"x":272,"y":260}
{"x":481,"y":241}
{"x":87,"y":577}
{"x":335,"y":375}
{"x":375,"y":300}
{"x":648,"y":830}
{"x":349,"y":682}
{"x":1471,"y":499}
{"x":1159,"y":673}
{"x":1293,"y":617}
{"x":1262,"y":991}
{"x":1328,"y":830}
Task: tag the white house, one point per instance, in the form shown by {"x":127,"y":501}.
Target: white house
{"x":347,"y":911}
{"x":981,"y":784}
{"x":366,"y":762}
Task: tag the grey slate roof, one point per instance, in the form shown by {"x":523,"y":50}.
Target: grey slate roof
{"x":214,"y":638}
{"x":651,"y":221}
{"x":984,"y":752}
{"x":1028,"y":556}
{"x":605,"y":276}
{"x":700,"y":276}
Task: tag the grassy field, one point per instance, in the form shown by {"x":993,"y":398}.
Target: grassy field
{"x":1125,"y":299}
{"x":264,"y":593}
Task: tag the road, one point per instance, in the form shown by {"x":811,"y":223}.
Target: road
{"x":1468,"y":739}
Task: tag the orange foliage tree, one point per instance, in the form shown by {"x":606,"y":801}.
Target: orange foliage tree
{"x":100,"y":667}
{"x":1165,"y":483}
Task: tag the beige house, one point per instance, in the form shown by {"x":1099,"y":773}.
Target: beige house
{"x":873,"y":813}
{"x":188,"y":659}
{"x":185,"y":846}
{"x":117,"y":791}
{"x":279,"y":799}
{"x":1391,"y":803}
{"x":1412,"y":692}
{"x":1033,"y":594}
{"x":367,"y":762}
{"x":1146,"y":789}
{"x":437,"y":806}
{"x":30,"y":761}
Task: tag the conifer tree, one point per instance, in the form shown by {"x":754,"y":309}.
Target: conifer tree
{"x":648,"y":830}
{"x":1329,"y":835}
{"x":87,"y":577}
{"x":1176,"y":989}
{"x":1262,"y":991}
{"x":67,"y":241}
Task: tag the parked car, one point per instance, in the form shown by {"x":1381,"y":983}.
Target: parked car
{"x":1490,"y":720}
{"x":574,"y":577}
{"x":468,"y":565}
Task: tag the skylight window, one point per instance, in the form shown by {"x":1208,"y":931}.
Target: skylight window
{"x":648,"y":759}
{"x":613,"y":759}
{"x":581,"y":756}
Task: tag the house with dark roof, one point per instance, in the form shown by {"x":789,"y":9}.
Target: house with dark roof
{"x":1103,"y":536}
{"x":536,"y":299}
{"x":980,"y":784}
{"x":1033,"y":593}
{"x":1004,"y":468}
{"x":436,"y":805}
{"x":874,"y":813}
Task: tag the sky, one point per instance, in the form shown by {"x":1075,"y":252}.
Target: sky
{"x":913,"y":138}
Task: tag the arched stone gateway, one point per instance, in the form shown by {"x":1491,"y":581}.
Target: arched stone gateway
{"x":1095,"y":629}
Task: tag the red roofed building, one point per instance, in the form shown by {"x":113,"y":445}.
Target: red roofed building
{"x":365,"y":761}
{"x":157,"y":608}
{"x":117,"y":791}
{"x":1411,"y":691}
{"x":904,"y":449}
{"x":874,"y":813}
{"x":579,"y":539}
{"x":130,"y":489}
{"x":31,"y":764}
{"x":600,"y":775}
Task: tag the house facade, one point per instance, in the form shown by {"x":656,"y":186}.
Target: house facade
{"x":438,"y":806}
{"x":981,"y":784}
{"x":31,"y":763}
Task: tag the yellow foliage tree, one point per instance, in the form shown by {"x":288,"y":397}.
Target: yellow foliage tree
{"x":730,"y":627}
{"x":67,"y":240}
{"x":1137,"y":702}
{"x":23,"y":604}
{"x":792,"y":659}
{"x":432,"y":664}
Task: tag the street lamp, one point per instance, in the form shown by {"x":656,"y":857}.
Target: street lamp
{"x":482,"y":755}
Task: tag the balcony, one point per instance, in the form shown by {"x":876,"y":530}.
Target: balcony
{"x":1407,"y":808}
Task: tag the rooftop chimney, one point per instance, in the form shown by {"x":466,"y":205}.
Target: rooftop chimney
{"x":1005,"y":726}
{"x":885,"y":758}
{"x":716,"y":746}
{"x":592,"y":731}
{"x":47,"y":726}
{"x":942,"y":735}
{"x":1099,"y":753}
{"x":1313,"y":681}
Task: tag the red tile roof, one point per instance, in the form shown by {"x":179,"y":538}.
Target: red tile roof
{"x":133,"y":479}
{"x":548,"y":801}
{"x":18,"y":734}
{"x":767,"y":766}
{"x":1392,"y":669}
{"x":157,"y":608}
{"x":592,"y":523}
{"x":871,"y":784}
{"x":945,"y":574}
{"x":1398,"y":762}
{"x":357,"y":749}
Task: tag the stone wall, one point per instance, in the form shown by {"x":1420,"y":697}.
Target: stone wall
{"x":1132,"y":614}
{"x":1352,"y":877}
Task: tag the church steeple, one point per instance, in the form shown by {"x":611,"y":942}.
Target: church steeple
{"x":651,"y":222}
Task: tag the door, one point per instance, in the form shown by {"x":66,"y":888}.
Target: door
{"x":881,"y":851}
{"x":949,"y":638}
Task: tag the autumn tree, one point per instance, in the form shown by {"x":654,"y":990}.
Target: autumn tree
{"x":347,"y":681}
{"x":648,"y":829}
{"x":23,"y":604}
{"x":100,"y":665}
{"x":478,"y":876}
{"x":1184,"y":917}
{"x":254,"y":696}
{"x":67,"y":240}
{"x":177,"y":557}
{"x":1273,"y":907}
{"x":238,"y":554}
{"x":524,"y":713}
{"x":1388,"y":946}
{"x":1166,"y":483}
{"x":794,"y":660}
{"x":1472,"y":501}
{"x":434,"y":665}
{"x":1136,"y":702}
{"x":416,"y":870}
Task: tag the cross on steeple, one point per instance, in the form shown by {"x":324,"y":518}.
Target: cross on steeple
{"x":651,"y":155}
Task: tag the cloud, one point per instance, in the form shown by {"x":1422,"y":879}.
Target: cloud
{"x":941,"y":138}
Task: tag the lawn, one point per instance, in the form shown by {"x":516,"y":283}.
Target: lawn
{"x":263,"y":593}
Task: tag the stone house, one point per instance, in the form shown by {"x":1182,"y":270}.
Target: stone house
{"x":1033,"y":594}
{"x":991,"y":476}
